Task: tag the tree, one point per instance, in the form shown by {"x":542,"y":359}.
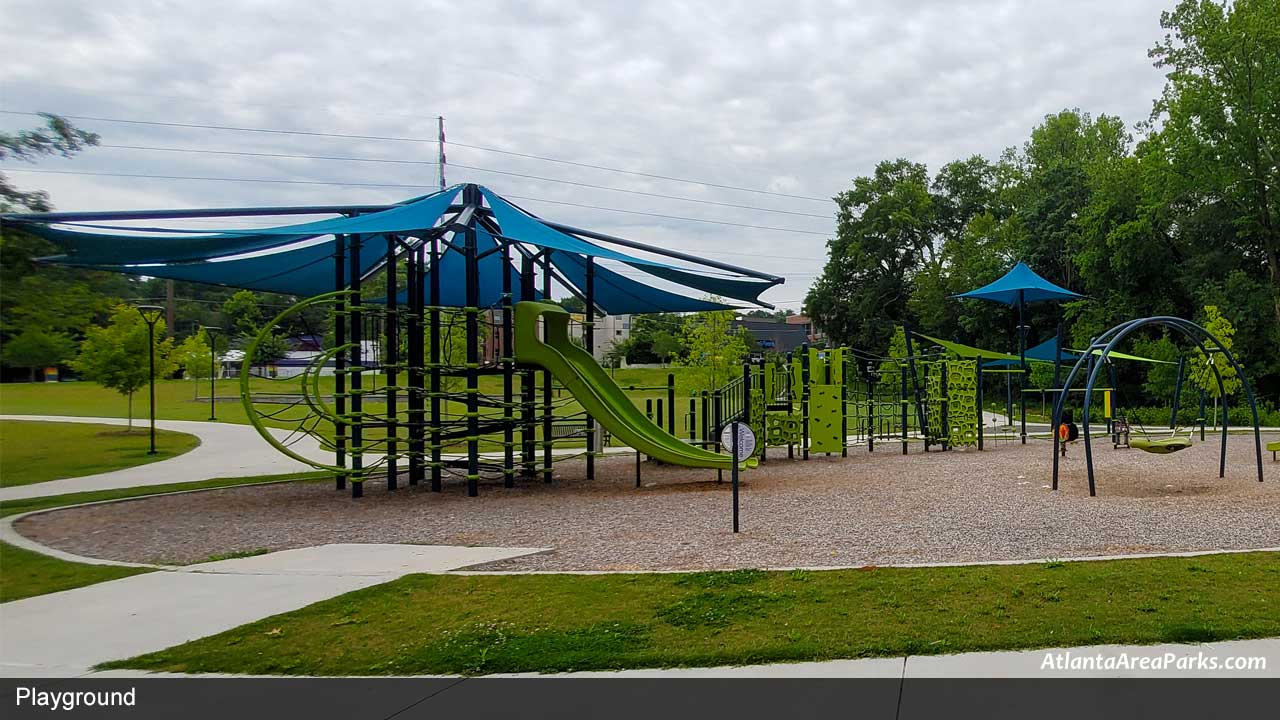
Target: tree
{"x":1202,"y":366}
{"x":195,"y":357}
{"x":573,"y":304}
{"x":117,"y":356}
{"x":56,"y":137}
{"x":715,"y":348}
{"x":1220,"y":126}
{"x":36,"y":348}
{"x":245,"y":316}
{"x":884,"y":234}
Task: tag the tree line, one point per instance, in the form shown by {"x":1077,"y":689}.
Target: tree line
{"x":1178,"y":215}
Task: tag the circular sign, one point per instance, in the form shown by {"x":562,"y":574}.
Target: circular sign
{"x":746,"y":439}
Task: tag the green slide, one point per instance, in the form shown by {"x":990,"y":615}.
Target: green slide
{"x":598,"y":394}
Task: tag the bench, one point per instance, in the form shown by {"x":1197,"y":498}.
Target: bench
{"x":1273,"y":446}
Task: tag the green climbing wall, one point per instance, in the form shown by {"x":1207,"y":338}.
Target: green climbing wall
{"x":824,"y":418}
{"x":962,"y":402}
{"x":962,"y":408}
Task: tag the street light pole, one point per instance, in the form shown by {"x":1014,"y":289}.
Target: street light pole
{"x":151,"y":315}
{"x":212,"y":333}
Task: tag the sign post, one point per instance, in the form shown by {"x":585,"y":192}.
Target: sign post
{"x":741,"y":441}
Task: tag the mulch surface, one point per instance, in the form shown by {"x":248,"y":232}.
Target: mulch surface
{"x":867,"y":509}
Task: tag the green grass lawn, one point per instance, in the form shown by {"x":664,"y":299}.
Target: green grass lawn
{"x":521,"y":623}
{"x":24,"y":573}
{"x":33,"y":452}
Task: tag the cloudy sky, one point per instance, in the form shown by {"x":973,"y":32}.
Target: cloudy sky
{"x":785,"y":101}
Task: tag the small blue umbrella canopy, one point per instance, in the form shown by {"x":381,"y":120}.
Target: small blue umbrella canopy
{"x":1020,"y":285}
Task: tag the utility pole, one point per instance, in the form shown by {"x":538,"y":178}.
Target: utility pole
{"x":168,"y":308}
{"x":440,"y":148}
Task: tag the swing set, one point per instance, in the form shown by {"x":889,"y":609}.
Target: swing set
{"x":1096,"y":356}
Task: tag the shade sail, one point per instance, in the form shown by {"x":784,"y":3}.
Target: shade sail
{"x":305,"y":272}
{"x":1021,"y":284}
{"x":748,"y":290}
{"x":453,"y":270}
{"x":1040,"y":353}
{"x":968,"y":351}
{"x":523,"y":227}
{"x":276,"y":264}
{"x":618,"y":294}
{"x":519,"y":225}
{"x":1044,"y":352}
{"x":92,"y":248}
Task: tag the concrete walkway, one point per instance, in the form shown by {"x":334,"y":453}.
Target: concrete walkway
{"x":225,"y":450}
{"x":64,"y":634}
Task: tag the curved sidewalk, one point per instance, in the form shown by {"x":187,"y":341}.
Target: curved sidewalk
{"x":225,"y":450}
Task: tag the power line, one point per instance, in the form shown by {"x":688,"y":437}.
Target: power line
{"x":405,"y":186}
{"x":465,"y":167}
{"x":640,"y":174}
{"x":670,"y":217}
{"x":543,"y":158}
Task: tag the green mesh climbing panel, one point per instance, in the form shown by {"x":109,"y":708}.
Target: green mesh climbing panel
{"x":961,"y":401}
{"x":962,"y":405}
{"x":825,"y":427}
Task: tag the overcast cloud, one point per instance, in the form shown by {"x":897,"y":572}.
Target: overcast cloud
{"x":791,"y":97}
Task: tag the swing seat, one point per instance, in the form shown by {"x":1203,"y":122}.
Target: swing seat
{"x":1161,"y":447}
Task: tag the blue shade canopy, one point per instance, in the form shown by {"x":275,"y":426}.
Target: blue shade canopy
{"x":620,"y":295}
{"x":519,"y":225}
{"x":453,"y":273}
{"x":305,"y":271}
{"x":748,"y":290}
{"x":1021,"y":284}
{"x":88,"y":248}
{"x":522,"y":227}
{"x":1044,"y":352}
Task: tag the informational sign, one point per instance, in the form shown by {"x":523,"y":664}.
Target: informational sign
{"x":746,"y":440}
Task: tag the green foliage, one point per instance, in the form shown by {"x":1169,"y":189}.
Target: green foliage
{"x":654,"y":338}
{"x":1201,"y":366}
{"x":118,"y":356}
{"x":715,"y":348}
{"x":247,"y":319}
{"x":34,"y":348}
{"x":56,"y":137}
{"x":195,"y":357}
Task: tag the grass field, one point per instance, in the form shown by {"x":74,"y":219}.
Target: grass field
{"x":544,"y":623}
{"x":177,"y":400}
{"x":24,"y":573}
{"x":33,"y":452}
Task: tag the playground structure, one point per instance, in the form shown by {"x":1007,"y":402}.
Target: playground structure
{"x":441,"y":342}
{"x":443,"y":299}
{"x":1096,"y":357}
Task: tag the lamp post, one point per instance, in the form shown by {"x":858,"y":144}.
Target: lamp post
{"x":212,"y":333}
{"x":151,"y":315}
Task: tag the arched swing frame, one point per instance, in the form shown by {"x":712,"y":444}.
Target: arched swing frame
{"x":1107,"y":342}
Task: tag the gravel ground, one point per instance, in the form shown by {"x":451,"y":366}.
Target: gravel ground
{"x":869,"y":508}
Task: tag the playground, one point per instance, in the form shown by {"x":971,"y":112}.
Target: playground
{"x":878,"y":508}
{"x":457,"y":421}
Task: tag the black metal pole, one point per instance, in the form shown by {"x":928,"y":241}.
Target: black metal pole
{"x":508,"y":373}
{"x":589,"y":335}
{"x":1177,"y":392}
{"x":1022,"y":377}
{"x":982,"y":417}
{"x":433,"y":319}
{"x":471,"y":196}
{"x":528,"y":449}
{"x":902,"y":401}
{"x":357,"y":369}
{"x":734,"y":473}
{"x":415,"y":276}
{"x":340,"y":360}
{"x":151,"y":347}
{"x":212,"y":334}
{"x":392,"y":355}
{"x":547,"y":410}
